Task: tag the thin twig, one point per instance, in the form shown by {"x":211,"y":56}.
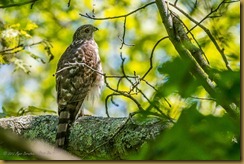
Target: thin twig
{"x":119,"y":16}
{"x":201,"y":98}
{"x":123,"y":36}
{"x":106,"y":103}
{"x":116,"y":91}
{"x":118,"y":130}
{"x":125,"y":94}
{"x":69,"y":3}
{"x":18,"y":4}
{"x":221,"y":51}
{"x":188,"y":31}
{"x":84,"y":64}
{"x":137,"y":80}
{"x":61,"y":70}
{"x":151,"y":60}
{"x":113,"y":102}
{"x":22,"y":46}
{"x":175,"y":2}
{"x":32,"y":4}
{"x":151,"y":56}
{"x":123,"y":70}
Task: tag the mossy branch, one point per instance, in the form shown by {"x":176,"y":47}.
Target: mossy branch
{"x":91,"y":137}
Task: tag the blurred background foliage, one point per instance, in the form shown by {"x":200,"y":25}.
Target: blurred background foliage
{"x":34,"y":36}
{"x":195,"y":137}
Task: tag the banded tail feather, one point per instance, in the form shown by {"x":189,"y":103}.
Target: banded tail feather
{"x":63,"y":129}
{"x":67,"y":116}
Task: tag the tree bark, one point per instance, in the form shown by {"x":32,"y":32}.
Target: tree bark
{"x":92,"y":137}
{"x":191,"y":55}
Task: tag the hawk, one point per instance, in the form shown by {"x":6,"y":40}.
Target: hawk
{"x":78,"y":77}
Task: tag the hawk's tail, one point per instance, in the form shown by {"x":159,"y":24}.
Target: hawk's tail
{"x":63,"y":129}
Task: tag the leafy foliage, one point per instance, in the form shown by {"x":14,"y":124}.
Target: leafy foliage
{"x":14,"y":41}
{"x":179,"y":78}
{"x":196,"y":137}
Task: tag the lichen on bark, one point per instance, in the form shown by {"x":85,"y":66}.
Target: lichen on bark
{"x":92,"y":137}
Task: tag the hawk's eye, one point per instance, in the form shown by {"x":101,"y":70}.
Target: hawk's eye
{"x":87,"y":30}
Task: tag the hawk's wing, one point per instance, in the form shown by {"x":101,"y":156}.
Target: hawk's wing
{"x":73,"y":82}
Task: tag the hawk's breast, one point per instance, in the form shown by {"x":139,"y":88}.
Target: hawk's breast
{"x":91,"y":58}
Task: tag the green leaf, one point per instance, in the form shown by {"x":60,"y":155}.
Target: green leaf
{"x":229,"y":83}
{"x":179,"y":78}
{"x":196,"y":137}
{"x":31,"y":26}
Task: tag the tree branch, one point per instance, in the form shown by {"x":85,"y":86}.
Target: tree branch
{"x":20,"y":46}
{"x":119,"y":16}
{"x":19,"y":4}
{"x":123,"y":36}
{"x":69,"y":2}
{"x":116,"y":91}
{"x":220,"y":50}
{"x":187,"y":55}
{"x":90,"y":137}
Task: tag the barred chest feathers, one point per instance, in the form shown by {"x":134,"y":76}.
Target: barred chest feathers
{"x":96,"y":86}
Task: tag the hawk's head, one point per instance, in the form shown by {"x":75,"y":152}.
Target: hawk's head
{"x":84,"y":32}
